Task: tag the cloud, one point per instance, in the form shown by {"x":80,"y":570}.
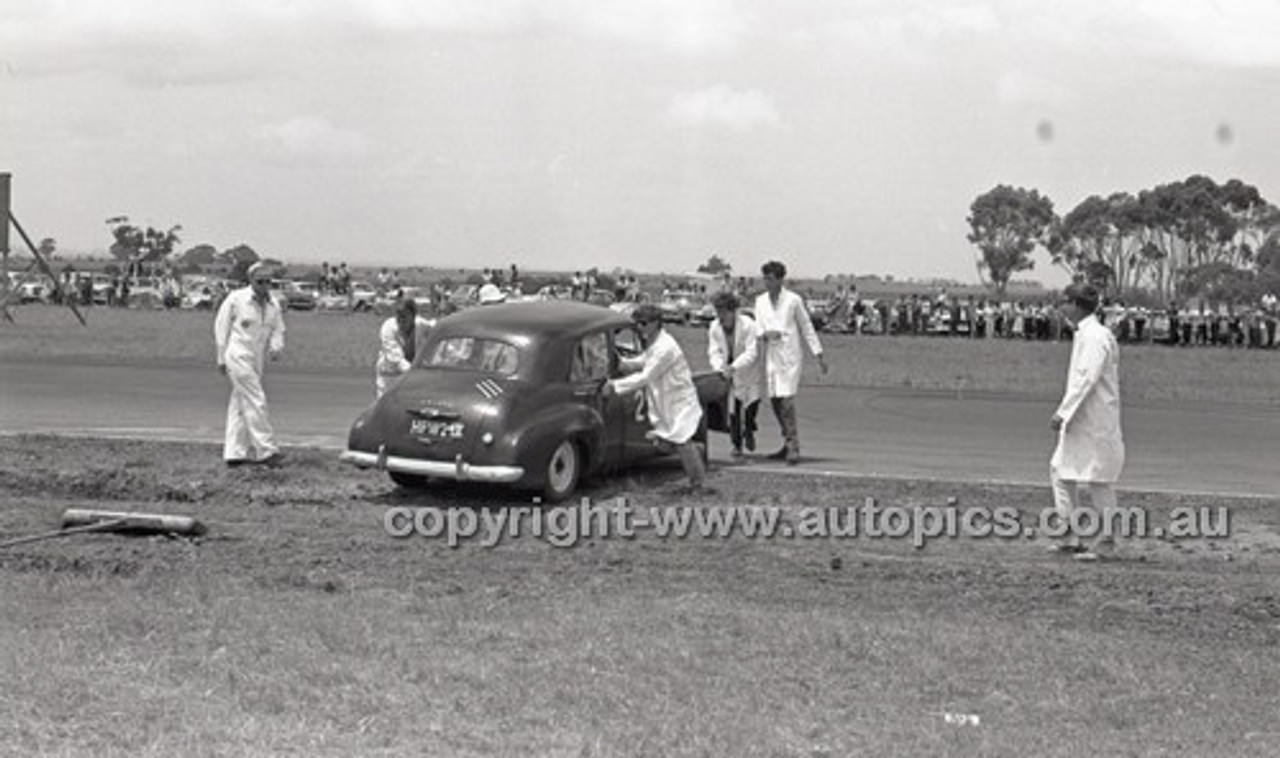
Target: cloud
{"x":724,"y":107}
{"x":903,"y":31}
{"x":1240,"y":33}
{"x":313,"y":139}
{"x":1245,"y":35}
{"x":120,"y":36}
{"x":1237,"y":34}
{"x":691,"y":27}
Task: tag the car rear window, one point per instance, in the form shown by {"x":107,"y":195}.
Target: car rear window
{"x":474,"y":353}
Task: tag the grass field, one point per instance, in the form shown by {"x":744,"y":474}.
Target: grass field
{"x":298,"y":627}
{"x":348,"y":341}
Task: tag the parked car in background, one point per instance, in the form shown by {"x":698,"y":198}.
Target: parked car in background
{"x":102,"y":288}
{"x":363,"y":296}
{"x":703,"y":314}
{"x":198,"y":296}
{"x":302,"y":296}
{"x":463,"y":296}
{"x":144,"y":292}
{"x":678,"y":307}
{"x":601,"y":297}
{"x":512,"y":394}
{"x":34,"y":290}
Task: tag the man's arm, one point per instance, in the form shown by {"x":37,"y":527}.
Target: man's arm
{"x":276,"y":344}
{"x":656,"y":364}
{"x":801,"y":316}
{"x":751,"y":338}
{"x":1083,"y":378}
{"x":716,"y":347}
{"x":222,"y":330}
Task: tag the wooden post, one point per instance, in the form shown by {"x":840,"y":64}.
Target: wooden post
{"x":4,"y":235}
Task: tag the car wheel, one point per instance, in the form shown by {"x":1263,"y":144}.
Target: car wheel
{"x":564,"y":469}
{"x":409,"y":481}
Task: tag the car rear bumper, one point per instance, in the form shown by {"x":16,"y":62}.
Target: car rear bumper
{"x":457,"y":469}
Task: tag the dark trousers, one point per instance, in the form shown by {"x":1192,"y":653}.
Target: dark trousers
{"x":742,"y":421}
{"x":784,"y":408}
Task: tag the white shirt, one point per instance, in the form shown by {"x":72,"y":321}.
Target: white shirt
{"x":784,"y":356}
{"x":744,"y":373}
{"x":672,"y":397}
{"x":1090,"y":444}
{"x":245,"y":329}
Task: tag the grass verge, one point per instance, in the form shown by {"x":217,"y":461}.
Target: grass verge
{"x":297,"y":626}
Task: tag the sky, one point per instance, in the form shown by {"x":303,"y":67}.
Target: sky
{"x":843,"y":137}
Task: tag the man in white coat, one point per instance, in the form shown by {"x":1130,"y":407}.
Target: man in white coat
{"x":1090,"y":451}
{"x":732,"y":347}
{"x":662,"y":372}
{"x":398,"y":342}
{"x":784,"y":322}
{"x":248,"y":327}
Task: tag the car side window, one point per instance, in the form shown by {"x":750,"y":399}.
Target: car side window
{"x":627,"y":342}
{"x":626,"y":345}
{"x":590,"y":358}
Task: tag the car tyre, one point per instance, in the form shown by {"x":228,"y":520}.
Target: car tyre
{"x":409,"y":481}
{"x":563,"y":471}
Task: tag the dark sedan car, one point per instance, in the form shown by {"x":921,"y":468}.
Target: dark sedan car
{"x":512,"y":394}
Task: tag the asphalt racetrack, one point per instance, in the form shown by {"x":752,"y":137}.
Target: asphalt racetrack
{"x":1208,"y":448}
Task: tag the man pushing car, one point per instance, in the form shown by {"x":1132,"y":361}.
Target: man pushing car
{"x":670,"y":394}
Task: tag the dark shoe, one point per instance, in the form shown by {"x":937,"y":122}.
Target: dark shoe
{"x":237,"y":462}
{"x":793,"y":458}
{"x":781,"y":455}
{"x":275,"y":460}
{"x":749,"y":441}
{"x":736,"y":452}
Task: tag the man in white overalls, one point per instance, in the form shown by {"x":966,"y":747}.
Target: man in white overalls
{"x":249,"y":326}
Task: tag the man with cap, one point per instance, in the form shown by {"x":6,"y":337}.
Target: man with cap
{"x":784,"y":322}
{"x":662,"y":372}
{"x":1090,"y":451}
{"x":249,"y":326}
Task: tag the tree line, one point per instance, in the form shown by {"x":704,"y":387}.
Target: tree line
{"x":1187,"y":238}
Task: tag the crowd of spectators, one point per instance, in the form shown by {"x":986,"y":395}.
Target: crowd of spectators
{"x":1199,"y":323}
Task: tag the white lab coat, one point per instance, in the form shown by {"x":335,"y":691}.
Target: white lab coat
{"x":391,"y":363}
{"x":245,"y":330}
{"x":784,"y":357}
{"x":744,"y":371}
{"x":670,"y":394}
{"x":1090,"y":445}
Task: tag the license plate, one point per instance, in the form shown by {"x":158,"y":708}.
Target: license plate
{"x":422,"y":427}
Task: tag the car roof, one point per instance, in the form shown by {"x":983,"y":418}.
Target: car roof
{"x":540,"y":319}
